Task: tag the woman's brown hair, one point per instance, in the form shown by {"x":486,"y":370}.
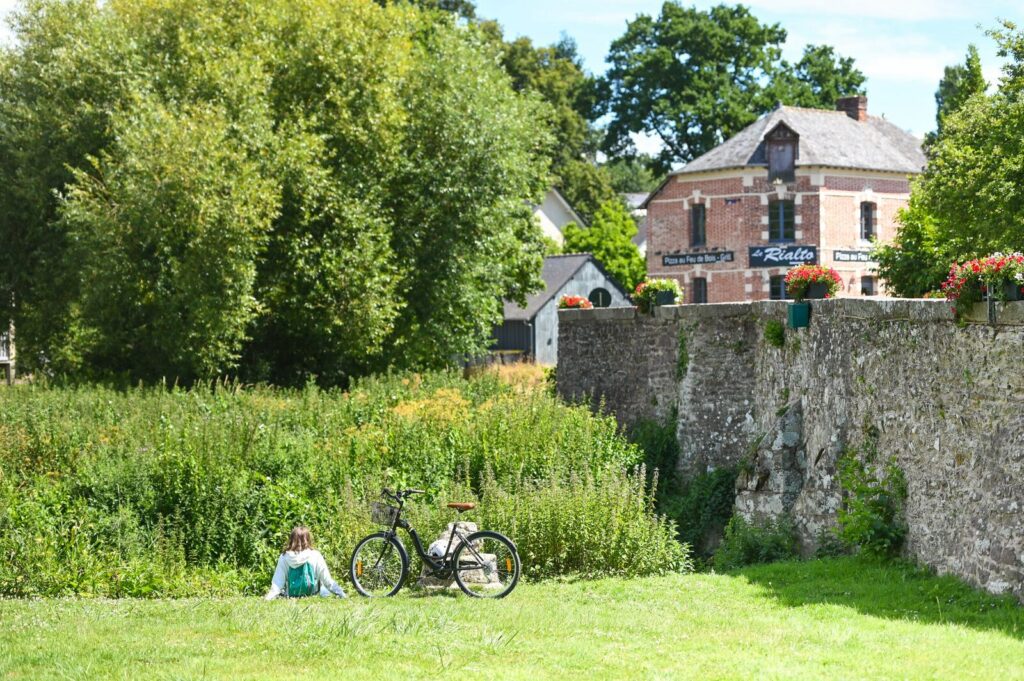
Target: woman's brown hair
{"x":300,"y":539}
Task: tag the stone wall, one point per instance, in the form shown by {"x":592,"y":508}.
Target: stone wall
{"x":945,"y":401}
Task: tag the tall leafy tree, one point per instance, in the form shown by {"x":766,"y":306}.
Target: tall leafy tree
{"x":959,"y":83}
{"x":555,"y":73}
{"x":631,"y":175}
{"x":467,"y":237}
{"x":169,"y":222}
{"x":819,"y":79}
{"x":694,"y":78}
{"x":916,"y":262}
{"x":970,"y":201}
{"x":57,"y":92}
{"x":609,"y":239}
{"x":283,"y":188}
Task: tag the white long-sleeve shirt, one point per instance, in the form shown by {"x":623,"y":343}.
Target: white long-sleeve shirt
{"x":291,"y":559}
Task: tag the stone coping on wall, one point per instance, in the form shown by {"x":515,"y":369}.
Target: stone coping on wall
{"x":880,"y":309}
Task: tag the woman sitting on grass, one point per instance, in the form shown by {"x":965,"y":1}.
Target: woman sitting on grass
{"x":301,"y":570}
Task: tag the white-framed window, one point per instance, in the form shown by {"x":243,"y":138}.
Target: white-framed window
{"x":868,"y":220}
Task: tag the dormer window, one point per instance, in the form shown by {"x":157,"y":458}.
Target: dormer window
{"x":781,"y":148}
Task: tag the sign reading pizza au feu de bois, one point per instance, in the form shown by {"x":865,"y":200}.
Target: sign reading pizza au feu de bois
{"x":697,"y":258}
{"x":783,"y":256}
{"x":852,"y":256}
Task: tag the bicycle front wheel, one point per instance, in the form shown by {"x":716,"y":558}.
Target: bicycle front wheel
{"x":379,"y":566}
{"x":487,"y":566}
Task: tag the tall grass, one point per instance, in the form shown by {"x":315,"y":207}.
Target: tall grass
{"x":173,"y":492}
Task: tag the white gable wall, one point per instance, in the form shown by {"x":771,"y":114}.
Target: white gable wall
{"x":554,"y":215}
{"x":586,"y":279}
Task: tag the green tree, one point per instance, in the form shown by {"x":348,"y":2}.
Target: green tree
{"x":693,"y":78}
{"x":609,"y":239}
{"x":586,"y":187}
{"x":66,"y":57}
{"x":969,"y":201}
{"x":818,"y":80}
{"x":959,"y":83}
{"x":467,"y":237}
{"x":914,"y":263}
{"x":276,"y":187}
{"x":169,"y":222}
{"x":631,"y":175}
{"x":463,"y":8}
{"x":556,"y":74}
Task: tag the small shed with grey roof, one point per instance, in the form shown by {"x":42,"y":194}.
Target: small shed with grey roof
{"x":533,"y":330}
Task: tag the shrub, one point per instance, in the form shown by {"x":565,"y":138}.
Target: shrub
{"x":703,"y":508}
{"x":870,"y":517}
{"x":589,"y":525}
{"x":660,"y":449}
{"x":153,"y":492}
{"x":699,"y":507}
{"x":747,"y":543}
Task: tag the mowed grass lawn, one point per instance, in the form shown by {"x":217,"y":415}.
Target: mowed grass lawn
{"x":839,"y":618}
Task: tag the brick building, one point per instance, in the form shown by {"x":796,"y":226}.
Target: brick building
{"x":796,"y":186}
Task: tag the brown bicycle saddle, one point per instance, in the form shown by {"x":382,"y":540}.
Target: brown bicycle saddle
{"x":461,"y":507}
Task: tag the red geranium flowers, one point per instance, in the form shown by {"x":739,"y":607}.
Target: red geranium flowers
{"x":574,"y":303}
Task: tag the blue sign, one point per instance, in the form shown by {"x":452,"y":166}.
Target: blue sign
{"x":783,"y":256}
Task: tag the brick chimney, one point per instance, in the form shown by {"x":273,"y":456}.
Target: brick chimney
{"x":855,"y":107}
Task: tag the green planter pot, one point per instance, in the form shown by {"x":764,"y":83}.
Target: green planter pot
{"x":1012,"y":291}
{"x":817,"y":291}
{"x":664,"y":298}
{"x":799,"y":315}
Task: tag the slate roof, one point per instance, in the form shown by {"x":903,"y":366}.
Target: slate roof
{"x":557,"y":271}
{"x":827,"y":138}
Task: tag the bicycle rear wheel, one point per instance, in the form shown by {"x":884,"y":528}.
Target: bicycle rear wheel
{"x":487,"y":566}
{"x":379,"y":566}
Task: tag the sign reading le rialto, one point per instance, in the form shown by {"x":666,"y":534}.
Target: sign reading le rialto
{"x":783,"y":256}
{"x":697,"y":258}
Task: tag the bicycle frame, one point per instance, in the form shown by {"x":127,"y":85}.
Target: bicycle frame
{"x":442,"y":568}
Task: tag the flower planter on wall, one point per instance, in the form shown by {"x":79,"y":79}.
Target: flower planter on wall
{"x":665,"y":298}
{"x":799,"y":315}
{"x":1012,"y":291}
{"x":816,"y":291}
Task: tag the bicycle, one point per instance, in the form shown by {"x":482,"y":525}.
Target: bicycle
{"x":484,"y":564}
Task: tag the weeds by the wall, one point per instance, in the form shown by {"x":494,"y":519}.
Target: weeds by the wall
{"x":775,"y":333}
{"x":683,"y":358}
{"x":871,"y":515}
{"x":699,"y":507}
{"x":747,"y":543}
{"x":660,"y":448}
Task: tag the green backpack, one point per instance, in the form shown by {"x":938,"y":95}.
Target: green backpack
{"x":301,"y":581}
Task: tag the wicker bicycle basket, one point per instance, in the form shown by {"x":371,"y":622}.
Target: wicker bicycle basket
{"x":382,"y":514}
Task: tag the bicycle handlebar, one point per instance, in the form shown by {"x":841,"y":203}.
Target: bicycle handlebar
{"x":400,"y":494}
